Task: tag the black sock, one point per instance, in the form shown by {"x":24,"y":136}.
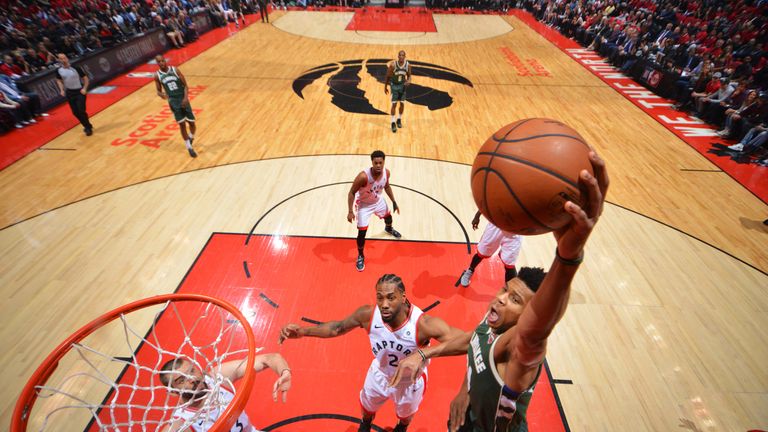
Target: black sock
{"x":360,"y":242}
{"x":475,"y":261}
{"x":509,"y":273}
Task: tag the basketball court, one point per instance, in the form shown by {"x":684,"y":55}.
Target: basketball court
{"x":665,"y":327}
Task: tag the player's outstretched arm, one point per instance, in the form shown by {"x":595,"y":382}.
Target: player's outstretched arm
{"x":410,"y":366}
{"x":360,"y":318}
{"x":551,"y":299}
{"x":235,"y":370}
{"x":360,"y":181}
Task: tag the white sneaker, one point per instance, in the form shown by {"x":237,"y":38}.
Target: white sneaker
{"x":18,"y":126}
{"x":33,"y":121}
{"x":736,"y":147}
{"x":466,"y":277}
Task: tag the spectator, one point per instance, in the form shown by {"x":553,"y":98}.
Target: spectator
{"x":30,"y":101}
{"x":21,"y":117}
{"x":9,"y":68}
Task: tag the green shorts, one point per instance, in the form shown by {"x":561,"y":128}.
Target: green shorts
{"x":398,"y":93}
{"x":181,"y":112}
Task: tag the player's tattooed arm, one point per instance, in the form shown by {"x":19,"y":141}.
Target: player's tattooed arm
{"x":360,"y":318}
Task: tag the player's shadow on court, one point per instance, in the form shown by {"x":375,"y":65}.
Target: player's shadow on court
{"x":443,"y":286}
{"x":754,"y":225}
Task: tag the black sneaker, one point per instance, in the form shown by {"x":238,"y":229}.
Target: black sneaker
{"x":365,"y":426}
{"x":393,"y":232}
{"x":360,"y":265}
{"x":399,"y":123}
{"x":400,"y":427}
{"x":394,"y":127}
{"x":192,"y":152}
{"x":88,"y":132}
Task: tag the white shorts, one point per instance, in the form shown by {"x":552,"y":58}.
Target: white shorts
{"x":493,"y":238}
{"x":406,"y":396}
{"x":364,"y":212}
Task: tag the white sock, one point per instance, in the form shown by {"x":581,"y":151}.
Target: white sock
{"x":393,"y":119}
{"x":191,"y":136}
{"x":188,"y":144}
{"x":398,"y":116}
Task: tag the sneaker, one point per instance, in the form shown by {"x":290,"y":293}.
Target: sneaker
{"x":466,"y":277}
{"x":393,"y":232}
{"x":33,"y":121}
{"x":399,"y":123}
{"x":765,"y":222}
{"x":394,"y":127}
{"x":736,"y":147}
{"x":364,"y":426}
{"x":192,"y":152}
{"x":400,"y":427}
{"x":25,"y":122}
{"x":43,"y":115}
{"x":18,"y":125}
{"x":88,"y":132}
{"x":360,"y":265}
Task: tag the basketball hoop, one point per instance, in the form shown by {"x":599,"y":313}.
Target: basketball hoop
{"x":206,"y":330}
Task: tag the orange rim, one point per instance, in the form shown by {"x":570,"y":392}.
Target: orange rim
{"x":40,"y":376}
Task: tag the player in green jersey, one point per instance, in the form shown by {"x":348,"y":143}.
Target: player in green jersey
{"x":398,"y":78}
{"x":172,"y":85}
{"x":506,"y":351}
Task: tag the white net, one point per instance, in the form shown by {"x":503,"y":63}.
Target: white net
{"x":110,"y":380}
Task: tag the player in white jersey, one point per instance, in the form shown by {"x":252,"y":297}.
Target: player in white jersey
{"x":492,"y":239}
{"x":365,"y":195}
{"x":184,"y":378}
{"x":396,"y":328}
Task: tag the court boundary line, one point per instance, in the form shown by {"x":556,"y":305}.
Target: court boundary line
{"x":719,"y":249}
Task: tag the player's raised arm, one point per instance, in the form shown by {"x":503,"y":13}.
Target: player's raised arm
{"x":360,"y":318}
{"x":360,"y":181}
{"x":551,"y":299}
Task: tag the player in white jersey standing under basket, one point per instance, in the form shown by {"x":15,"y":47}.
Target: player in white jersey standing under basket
{"x":396,"y":328}
{"x":365,"y":196}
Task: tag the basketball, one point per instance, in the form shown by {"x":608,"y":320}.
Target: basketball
{"x":526,"y":171}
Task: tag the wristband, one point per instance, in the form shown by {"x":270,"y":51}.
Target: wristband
{"x":571,"y":262}
{"x":423,"y":356}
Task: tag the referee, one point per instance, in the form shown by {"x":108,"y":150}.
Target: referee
{"x":73,"y":84}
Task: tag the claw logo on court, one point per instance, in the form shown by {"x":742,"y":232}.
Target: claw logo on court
{"x":344,"y":84}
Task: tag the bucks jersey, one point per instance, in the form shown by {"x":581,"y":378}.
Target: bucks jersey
{"x":371,"y":192}
{"x":202,"y":419}
{"x":400,"y":73}
{"x":172,"y":84}
{"x":494,"y":406}
{"x":390,"y":345}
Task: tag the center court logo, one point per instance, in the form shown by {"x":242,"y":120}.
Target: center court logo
{"x":344,"y":84}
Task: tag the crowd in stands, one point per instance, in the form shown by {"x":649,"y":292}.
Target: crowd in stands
{"x":32,"y":32}
{"x":716,"y":51}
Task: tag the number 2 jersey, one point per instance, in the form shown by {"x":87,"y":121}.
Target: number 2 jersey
{"x":390,"y":345}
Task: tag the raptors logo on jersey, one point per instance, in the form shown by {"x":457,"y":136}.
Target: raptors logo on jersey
{"x":371,"y":192}
{"x":389,"y":345}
